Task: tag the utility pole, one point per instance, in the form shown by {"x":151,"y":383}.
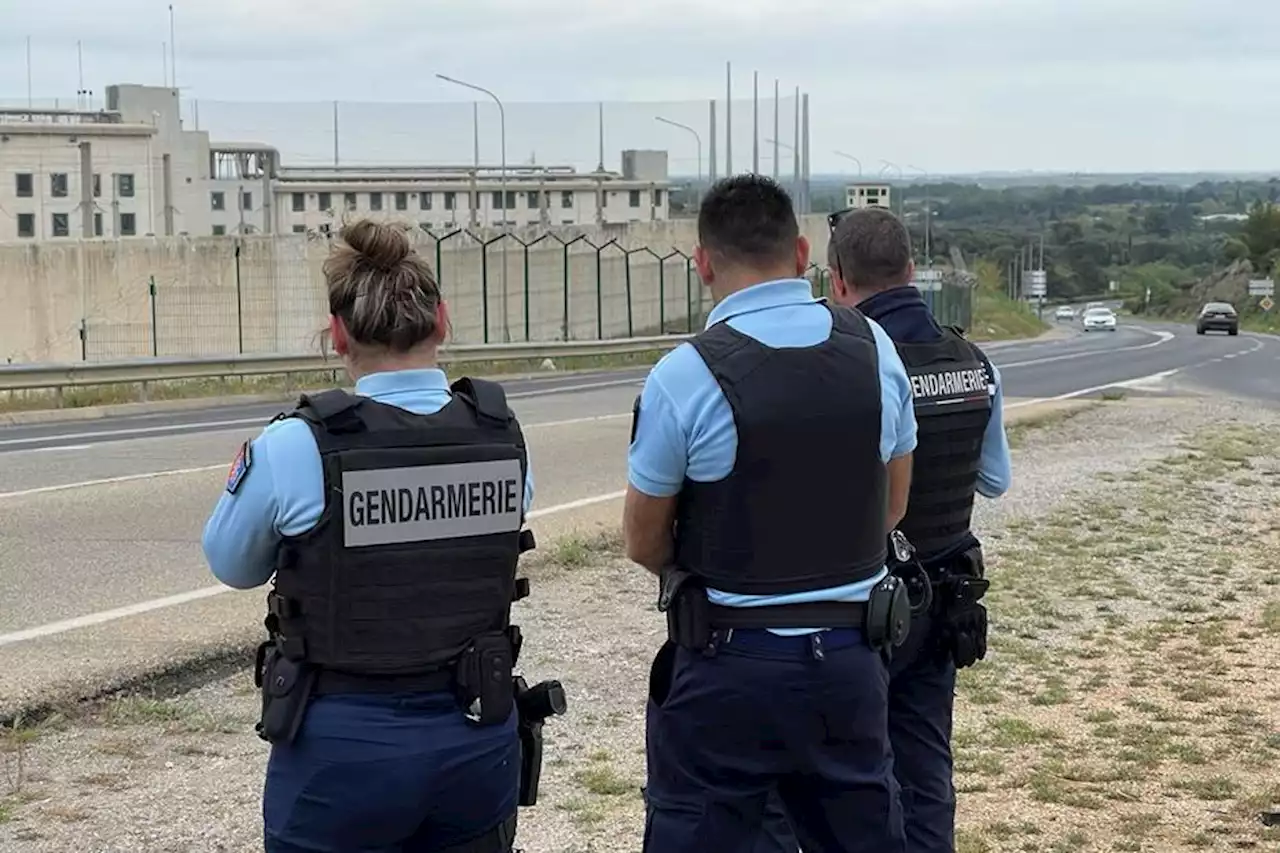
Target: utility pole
{"x":728,"y":119}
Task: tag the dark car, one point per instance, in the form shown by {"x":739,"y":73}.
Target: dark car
{"x":1218,"y":317}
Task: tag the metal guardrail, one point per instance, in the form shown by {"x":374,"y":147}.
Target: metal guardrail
{"x":26,"y":377}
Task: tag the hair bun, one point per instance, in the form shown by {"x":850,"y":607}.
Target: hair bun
{"x":384,"y":246}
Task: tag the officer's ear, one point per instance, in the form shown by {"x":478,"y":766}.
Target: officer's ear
{"x":802,"y":255}
{"x":702,"y":263}
{"x":338,"y":335}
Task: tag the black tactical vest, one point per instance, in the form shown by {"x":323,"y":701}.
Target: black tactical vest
{"x":951,"y":382}
{"x":804,"y":506}
{"x":415,"y":554}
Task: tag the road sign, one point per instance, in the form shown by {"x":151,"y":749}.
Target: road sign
{"x":1262,"y":287}
{"x":1036,"y":283}
{"x":928,"y":279}
{"x":1266,"y":304}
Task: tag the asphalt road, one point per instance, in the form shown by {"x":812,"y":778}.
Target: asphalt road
{"x":100,"y":562}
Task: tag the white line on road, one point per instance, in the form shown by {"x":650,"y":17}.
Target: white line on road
{"x":208,"y":426}
{"x":106,"y":481}
{"x":91,"y":619}
{"x":1162,"y":338}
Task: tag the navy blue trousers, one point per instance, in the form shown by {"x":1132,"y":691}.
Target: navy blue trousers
{"x":766,"y":714}
{"x":389,"y":774}
{"x":921,"y":694}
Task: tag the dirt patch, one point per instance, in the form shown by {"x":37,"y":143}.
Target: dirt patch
{"x":1127,"y":703}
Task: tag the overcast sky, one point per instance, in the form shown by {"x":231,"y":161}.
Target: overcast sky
{"x":944,"y":85}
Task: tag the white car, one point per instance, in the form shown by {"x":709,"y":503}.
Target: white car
{"x":1066,"y":312}
{"x":1101,"y":319}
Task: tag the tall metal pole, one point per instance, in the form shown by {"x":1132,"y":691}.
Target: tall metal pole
{"x":600,"y":120}
{"x":164,"y":62}
{"x":728,"y":119}
{"x":335,"y":135}
{"x":711,"y":170}
{"x":804,"y":152}
{"x":795,"y":153}
{"x":475,"y":132}
{"x":776,"y":102}
{"x":755,"y":122}
{"x":502,"y":133}
{"x":80,"y":72}
{"x":173,"y":50}
{"x":927,"y":212}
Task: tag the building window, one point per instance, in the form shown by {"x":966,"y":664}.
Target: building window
{"x":58,"y":184}
{"x":219,"y":230}
{"x":450,"y":200}
{"x":25,"y":184}
{"x":324,"y":228}
{"x":246,"y":201}
{"x":635,"y":198}
{"x":349,"y":201}
{"x":424,"y":201}
{"x":97,"y":186}
{"x":97,"y":225}
{"x":325,"y":201}
{"x":61,"y":225}
{"x":218,"y":201}
{"x":26,"y":225}
{"x":299,"y":229}
{"x":402,"y":201}
{"x":375,"y":201}
{"x":299,"y":202}
{"x":566,"y":199}
{"x":497,"y":201}
{"x":128,"y":225}
{"x":533,"y":200}
{"x":511,"y":200}
{"x":657,"y":198}
{"x":125,"y":182}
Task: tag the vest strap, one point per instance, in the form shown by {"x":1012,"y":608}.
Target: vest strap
{"x":488,"y":398}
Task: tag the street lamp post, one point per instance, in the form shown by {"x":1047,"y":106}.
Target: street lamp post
{"x":851,"y":157}
{"x":927,"y":212}
{"x":502,"y":132}
{"x":902,"y":210}
{"x":697,"y":137}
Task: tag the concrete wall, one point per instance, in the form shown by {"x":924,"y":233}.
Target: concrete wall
{"x":265,"y":294}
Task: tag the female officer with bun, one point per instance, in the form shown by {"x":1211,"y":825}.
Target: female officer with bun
{"x":391,"y":520}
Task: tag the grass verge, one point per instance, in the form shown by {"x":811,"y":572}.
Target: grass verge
{"x":283,"y":385}
{"x":1127,"y":702}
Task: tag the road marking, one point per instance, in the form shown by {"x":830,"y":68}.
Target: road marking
{"x":58,"y":448}
{"x":211,"y":426}
{"x":1162,"y":338}
{"x":106,"y":481}
{"x":91,"y":619}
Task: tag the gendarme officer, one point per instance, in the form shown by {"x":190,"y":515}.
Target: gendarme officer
{"x":392,"y":520}
{"x":769,"y":459}
{"x":962,"y":450}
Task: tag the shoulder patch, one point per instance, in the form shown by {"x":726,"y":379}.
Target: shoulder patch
{"x":239,"y":468}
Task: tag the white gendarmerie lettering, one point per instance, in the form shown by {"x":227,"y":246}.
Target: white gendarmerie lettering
{"x":963,"y":384}
{"x":385,"y":506}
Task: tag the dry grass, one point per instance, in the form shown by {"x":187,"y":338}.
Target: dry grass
{"x":1128,"y":702}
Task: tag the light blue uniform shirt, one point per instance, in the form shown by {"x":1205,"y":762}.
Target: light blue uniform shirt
{"x":282,"y":493}
{"x":686,"y":426}
{"x":995,"y":467}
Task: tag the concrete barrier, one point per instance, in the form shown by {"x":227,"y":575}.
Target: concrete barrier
{"x":74,"y":300}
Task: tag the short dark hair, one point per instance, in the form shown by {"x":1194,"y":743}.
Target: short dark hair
{"x":748,"y":219}
{"x":870,"y":248}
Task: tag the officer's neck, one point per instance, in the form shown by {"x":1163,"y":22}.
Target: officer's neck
{"x":422,"y":358}
{"x":728,"y":283}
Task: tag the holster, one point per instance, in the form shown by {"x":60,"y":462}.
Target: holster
{"x":683,"y":598}
{"x":534,"y":705}
{"x":286,"y":687}
{"x":484,"y":679}
{"x":962,"y":619}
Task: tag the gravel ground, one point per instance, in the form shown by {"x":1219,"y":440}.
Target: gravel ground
{"x":185,"y":773}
